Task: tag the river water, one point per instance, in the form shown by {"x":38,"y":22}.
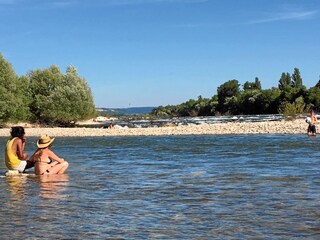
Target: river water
{"x":169,"y":187}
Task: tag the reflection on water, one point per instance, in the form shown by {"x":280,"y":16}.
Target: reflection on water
{"x":177,"y":187}
{"x":17,"y":187}
{"x":50,"y":186}
{"x":53,"y":186}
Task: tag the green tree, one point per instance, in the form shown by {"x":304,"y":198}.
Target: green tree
{"x":23,"y":102}
{"x":79,"y":99}
{"x":12,"y":104}
{"x":290,"y":97}
{"x":257,"y":83}
{"x":292,"y":109}
{"x":58,"y":98}
{"x":191,"y":108}
{"x":291,"y":87}
{"x":247,"y":103}
{"x":296,"y":79}
{"x":313,"y":97}
{"x":285,"y":81}
{"x":160,"y":112}
{"x":43,"y":83}
{"x":205,"y":107}
{"x":247,"y":86}
{"x":271,"y":100}
{"x":228,"y":94}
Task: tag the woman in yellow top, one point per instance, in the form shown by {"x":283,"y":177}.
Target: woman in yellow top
{"x":46,"y":161}
{"x":16,"y":158}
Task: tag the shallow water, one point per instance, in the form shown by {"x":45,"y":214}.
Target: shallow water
{"x":175,"y":187}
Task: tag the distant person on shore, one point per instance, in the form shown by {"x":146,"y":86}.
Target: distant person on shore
{"x":312,"y":121}
{"x":15,"y":156}
{"x":46,"y":161}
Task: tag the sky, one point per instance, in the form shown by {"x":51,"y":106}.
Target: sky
{"x":138,"y":53}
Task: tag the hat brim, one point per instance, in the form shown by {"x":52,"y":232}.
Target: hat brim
{"x":44,"y":145}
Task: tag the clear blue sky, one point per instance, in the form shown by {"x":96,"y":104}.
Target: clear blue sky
{"x":159,"y":52}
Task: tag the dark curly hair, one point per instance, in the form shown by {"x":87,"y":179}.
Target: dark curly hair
{"x":17,"y":132}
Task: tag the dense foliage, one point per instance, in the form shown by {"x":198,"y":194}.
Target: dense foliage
{"x":44,"y":96}
{"x":13,"y":101}
{"x":291,"y":97}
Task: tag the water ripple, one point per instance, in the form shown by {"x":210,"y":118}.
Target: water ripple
{"x":176,"y":187}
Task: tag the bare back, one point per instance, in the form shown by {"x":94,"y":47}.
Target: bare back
{"x":43,"y":159}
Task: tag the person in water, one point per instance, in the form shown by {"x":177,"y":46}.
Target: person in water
{"x":15,"y":156}
{"x":312,"y":120}
{"x":46,"y":161}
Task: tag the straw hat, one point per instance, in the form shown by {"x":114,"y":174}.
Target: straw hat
{"x":44,"y":141}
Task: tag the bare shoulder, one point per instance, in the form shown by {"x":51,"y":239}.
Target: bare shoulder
{"x":50,"y":153}
{"x":47,"y":151}
{"x":17,"y":141}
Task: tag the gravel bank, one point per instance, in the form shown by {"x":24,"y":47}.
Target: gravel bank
{"x":273,"y":127}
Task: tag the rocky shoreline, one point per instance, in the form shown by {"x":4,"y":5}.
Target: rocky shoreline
{"x":297,"y":126}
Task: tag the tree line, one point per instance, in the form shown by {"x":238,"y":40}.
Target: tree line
{"x":44,"y":96}
{"x":291,"y":97}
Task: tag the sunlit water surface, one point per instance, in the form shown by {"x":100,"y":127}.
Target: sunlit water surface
{"x":175,"y":187}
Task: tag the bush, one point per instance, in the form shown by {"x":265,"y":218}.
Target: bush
{"x":292,"y":109}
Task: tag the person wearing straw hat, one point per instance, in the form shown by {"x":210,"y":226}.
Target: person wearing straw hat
{"x":46,"y":161}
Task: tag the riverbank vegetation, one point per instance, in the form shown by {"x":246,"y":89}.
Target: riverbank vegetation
{"x":291,"y":97}
{"x":49,"y":97}
{"x":44,"y":96}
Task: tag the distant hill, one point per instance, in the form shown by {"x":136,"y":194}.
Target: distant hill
{"x":125,"y":111}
